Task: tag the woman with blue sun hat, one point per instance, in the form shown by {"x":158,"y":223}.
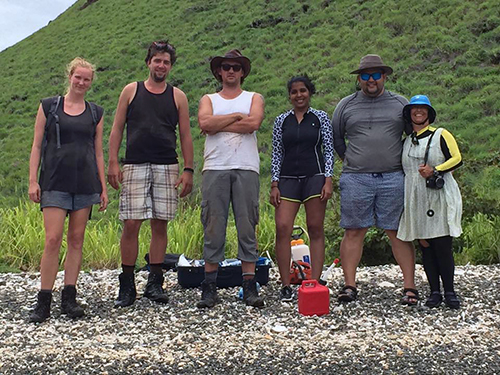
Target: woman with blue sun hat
{"x":433,"y":204}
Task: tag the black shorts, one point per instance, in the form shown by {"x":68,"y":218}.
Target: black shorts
{"x":301,"y":189}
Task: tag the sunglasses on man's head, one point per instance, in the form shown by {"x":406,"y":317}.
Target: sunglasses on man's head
{"x":160,"y":44}
{"x":366,"y":76}
{"x":227,"y":67}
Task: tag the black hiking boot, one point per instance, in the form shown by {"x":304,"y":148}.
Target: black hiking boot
{"x":69,"y":306}
{"x":42,"y":309}
{"x":127,"y":293}
{"x":208,"y":295}
{"x":250,"y":294}
{"x":154,"y":288}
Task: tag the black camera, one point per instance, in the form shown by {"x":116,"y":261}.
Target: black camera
{"x":436,"y":181}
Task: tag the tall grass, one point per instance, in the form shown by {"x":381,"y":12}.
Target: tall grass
{"x":22,"y":236}
{"x":481,"y":240}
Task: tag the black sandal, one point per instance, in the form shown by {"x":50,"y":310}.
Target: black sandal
{"x":407,"y":299}
{"x":451,"y":300}
{"x":434,"y":300}
{"x":347,"y":294}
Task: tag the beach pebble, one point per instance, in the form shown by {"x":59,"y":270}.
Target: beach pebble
{"x":373,"y":335}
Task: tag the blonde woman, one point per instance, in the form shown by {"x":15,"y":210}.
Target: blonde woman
{"x":67,"y":148}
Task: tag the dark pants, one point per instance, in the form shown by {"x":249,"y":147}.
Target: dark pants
{"x":438,"y":262}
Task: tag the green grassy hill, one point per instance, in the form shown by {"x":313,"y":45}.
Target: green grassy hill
{"x":446,"y":49}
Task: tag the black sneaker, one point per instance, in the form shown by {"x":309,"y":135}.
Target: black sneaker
{"x":251,"y":295}
{"x":208,"y":295}
{"x":69,"y":306}
{"x":286,"y":294}
{"x":42,"y":308}
{"x":154,"y":288}
{"x":451,"y":300}
{"x":127,"y":293}
{"x":434,"y":300}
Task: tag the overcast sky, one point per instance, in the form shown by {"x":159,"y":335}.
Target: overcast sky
{"x":21,"y":18}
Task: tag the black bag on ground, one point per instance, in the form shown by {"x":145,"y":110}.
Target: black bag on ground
{"x":169,"y":262}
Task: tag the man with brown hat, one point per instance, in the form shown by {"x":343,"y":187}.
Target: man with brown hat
{"x":230,"y":119}
{"x":372,"y":181}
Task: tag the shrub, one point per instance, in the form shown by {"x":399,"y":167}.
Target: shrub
{"x":481,"y":240}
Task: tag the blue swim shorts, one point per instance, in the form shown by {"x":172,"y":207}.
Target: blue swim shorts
{"x":371,"y":199}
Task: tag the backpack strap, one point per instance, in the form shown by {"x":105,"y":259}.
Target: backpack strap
{"x":54,"y":106}
{"x":93,"y":111}
{"x":53,"y":115}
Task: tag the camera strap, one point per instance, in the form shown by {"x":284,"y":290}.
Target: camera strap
{"x":426,"y":155}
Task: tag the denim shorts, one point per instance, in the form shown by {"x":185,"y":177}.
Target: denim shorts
{"x":371,"y":199}
{"x":68,"y":201}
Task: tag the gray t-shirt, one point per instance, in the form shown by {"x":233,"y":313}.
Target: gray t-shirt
{"x":373,"y":128}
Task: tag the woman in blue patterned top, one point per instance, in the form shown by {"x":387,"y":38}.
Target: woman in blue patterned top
{"x":302,"y":166}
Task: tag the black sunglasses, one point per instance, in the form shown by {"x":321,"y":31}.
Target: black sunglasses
{"x":227,"y":67}
{"x":160,"y":44}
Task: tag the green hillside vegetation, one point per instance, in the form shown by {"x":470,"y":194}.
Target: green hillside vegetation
{"x":448,"y":50}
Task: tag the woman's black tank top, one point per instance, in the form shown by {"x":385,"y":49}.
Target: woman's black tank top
{"x":72,"y":167}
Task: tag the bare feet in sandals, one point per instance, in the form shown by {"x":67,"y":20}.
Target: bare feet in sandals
{"x":347,"y":294}
{"x":410,"y":297}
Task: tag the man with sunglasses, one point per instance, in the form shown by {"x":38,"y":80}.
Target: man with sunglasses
{"x":152,"y":110}
{"x":372,"y":181}
{"x":230,"y":119}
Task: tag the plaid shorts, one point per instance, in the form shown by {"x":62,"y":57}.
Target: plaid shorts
{"x":148,"y":191}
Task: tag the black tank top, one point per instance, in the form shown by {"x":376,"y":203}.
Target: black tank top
{"x":151,"y":123}
{"x":72,"y":167}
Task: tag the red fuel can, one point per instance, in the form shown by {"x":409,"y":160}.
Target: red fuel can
{"x":314,"y":298}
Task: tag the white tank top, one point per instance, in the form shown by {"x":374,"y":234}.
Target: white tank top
{"x":227,"y":150}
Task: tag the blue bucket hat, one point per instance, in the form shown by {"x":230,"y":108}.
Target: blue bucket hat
{"x":419,"y":100}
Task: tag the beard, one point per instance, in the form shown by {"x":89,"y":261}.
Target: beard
{"x":157,"y":78}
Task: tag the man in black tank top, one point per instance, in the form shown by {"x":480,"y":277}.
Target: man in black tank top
{"x":150,"y":175}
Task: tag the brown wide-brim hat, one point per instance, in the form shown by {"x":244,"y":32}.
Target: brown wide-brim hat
{"x":234,"y":55}
{"x":372,"y":62}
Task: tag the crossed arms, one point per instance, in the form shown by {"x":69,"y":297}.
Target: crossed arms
{"x":234,"y":122}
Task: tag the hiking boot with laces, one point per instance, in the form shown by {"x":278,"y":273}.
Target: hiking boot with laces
{"x":208,"y":295}
{"x":154,"y":288}
{"x":286,"y":294}
{"x":251,"y":295}
{"x":69,"y":306}
{"x":42,"y":309}
{"x":127,"y":293}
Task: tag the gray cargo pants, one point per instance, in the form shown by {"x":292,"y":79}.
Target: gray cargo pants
{"x":219,"y":188}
